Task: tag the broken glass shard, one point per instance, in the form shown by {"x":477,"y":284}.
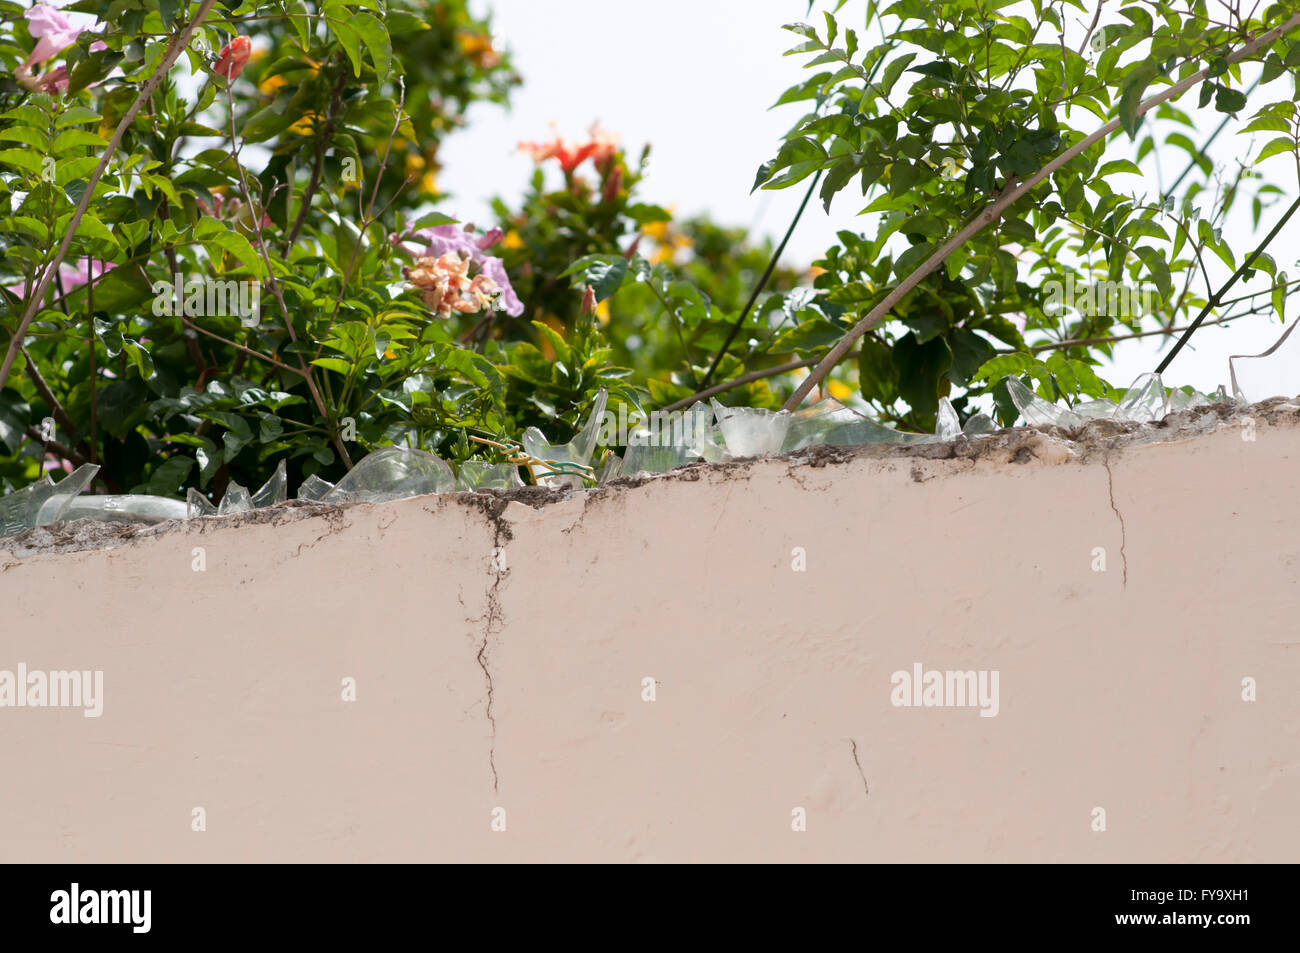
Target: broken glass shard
{"x":751,"y":431}
{"x":1274,"y":373}
{"x":481,"y":475}
{"x":44,"y":501}
{"x":274,"y":490}
{"x":393,"y":473}
{"x":1144,"y":401}
{"x":236,"y":500}
{"x":577,"y":451}
{"x":612,"y":470}
{"x":132,"y":508}
{"x":947,"y":425}
{"x":1095,"y":409}
{"x":196,"y":504}
{"x":1038,"y":412}
{"x":979,"y":425}
{"x":313,"y":489}
{"x":708,"y":446}
{"x":668,"y":442}
{"x":1180,"y":399}
{"x":830,"y":422}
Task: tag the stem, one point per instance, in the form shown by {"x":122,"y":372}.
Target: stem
{"x":742,"y":379}
{"x":1218,"y":295}
{"x":758,"y":289}
{"x":178,"y":43}
{"x":1009,"y":197}
{"x":322,"y":144}
{"x":255,"y":207}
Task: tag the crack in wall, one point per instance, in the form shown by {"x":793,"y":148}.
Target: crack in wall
{"x":853,"y":746}
{"x":1123,"y":532}
{"x":493,"y":508}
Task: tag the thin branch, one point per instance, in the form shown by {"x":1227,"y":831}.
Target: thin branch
{"x":741,"y":380}
{"x":1223,"y":289}
{"x":762,"y":282}
{"x":258,"y":212}
{"x":1008,"y":198}
{"x":322,"y":144}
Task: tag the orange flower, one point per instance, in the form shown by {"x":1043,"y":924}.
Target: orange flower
{"x":233,"y":58}
{"x":599,"y":146}
{"x":477,"y":47}
{"x":445,"y":286}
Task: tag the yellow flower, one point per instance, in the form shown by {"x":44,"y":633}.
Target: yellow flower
{"x":840,"y":390}
{"x":303,"y":126}
{"x":414,"y":163}
{"x":429,"y":183}
{"x":271,"y":84}
{"x":602,"y":312}
{"x":477,"y":47}
{"x":512,"y":241}
{"x":663,"y":255}
{"x":656,"y":230}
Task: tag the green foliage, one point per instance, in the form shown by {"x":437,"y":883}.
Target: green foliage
{"x":963,"y":99}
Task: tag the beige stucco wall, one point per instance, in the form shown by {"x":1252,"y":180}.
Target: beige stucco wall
{"x":479,"y":689}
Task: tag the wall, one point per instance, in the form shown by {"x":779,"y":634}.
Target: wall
{"x":521,"y":688}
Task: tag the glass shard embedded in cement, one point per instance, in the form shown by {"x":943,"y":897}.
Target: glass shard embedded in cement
{"x":236,"y":500}
{"x":1095,"y":409}
{"x":665,"y":442}
{"x":43,"y":501}
{"x":1274,"y":373}
{"x":577,"y":451}
{"x":196,"y":504}
{"x":393,"y":473}
{"x":979,"y":425}
{"x":751,"y":431}
{"x":273,"y":491}
{"x":830,"y":422}
{"x":314,"y":489}
{"x":1038,"y":412}
{"x":481,"y":475}
{"x":132,"y":508}
{"x":1144,"y":401}
{"x":947,"y":425}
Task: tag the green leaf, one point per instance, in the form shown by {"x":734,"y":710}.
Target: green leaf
{"x":1229,"y":100}
{"x":1278,"y":146}
{"x":375,"y":37}
{"x":339,"y":23}
{"x":877,"y":373}
{"x":920,"y":369}
{"x":167,"y":477}
{"x":333,"y":364}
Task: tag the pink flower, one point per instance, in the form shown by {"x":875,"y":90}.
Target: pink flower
{"x":446,"y":239}
{"x":233,"y":57}
{"x":53,"y":32}
{"x":72,"y":275}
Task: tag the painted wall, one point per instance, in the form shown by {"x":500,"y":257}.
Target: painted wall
{"x":500,"y":655}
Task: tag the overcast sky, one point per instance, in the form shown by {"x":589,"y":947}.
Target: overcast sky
{"x":695,"y":79}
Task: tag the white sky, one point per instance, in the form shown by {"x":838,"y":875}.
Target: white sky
{"x":695,"y":78}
